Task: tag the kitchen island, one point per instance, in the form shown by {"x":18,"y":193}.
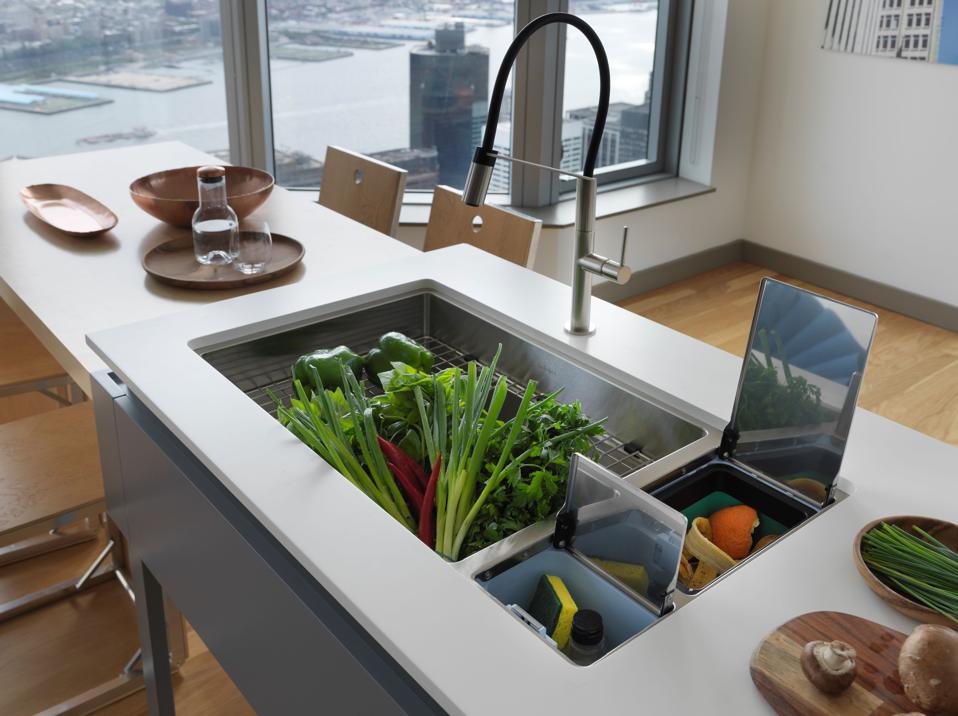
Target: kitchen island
{"x":405,"y":630}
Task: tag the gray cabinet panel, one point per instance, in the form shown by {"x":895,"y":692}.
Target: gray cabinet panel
{"x":288,"y":645}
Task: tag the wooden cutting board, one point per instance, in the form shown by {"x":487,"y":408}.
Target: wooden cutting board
{"x":877,"y":691}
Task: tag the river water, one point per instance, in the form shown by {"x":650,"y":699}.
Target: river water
{"x":360,"y":102}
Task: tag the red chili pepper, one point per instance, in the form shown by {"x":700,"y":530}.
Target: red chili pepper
{"x":396,"y":454}
{"x":427,"y":516}
{"x":408,"y":484}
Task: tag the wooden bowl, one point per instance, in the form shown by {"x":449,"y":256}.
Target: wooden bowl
{"x":945,"y":532}
{"x":172,"y":196}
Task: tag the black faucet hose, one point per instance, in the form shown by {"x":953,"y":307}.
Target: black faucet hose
{"x":499,"y":88}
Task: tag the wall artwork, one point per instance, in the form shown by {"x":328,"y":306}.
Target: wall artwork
{"x":923,"y":30}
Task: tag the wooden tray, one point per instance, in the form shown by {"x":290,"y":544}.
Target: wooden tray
{"x":174,"y":263}
{"x":877,"y":691}
{"x":944,"y":532}
{"x":67,"y":209}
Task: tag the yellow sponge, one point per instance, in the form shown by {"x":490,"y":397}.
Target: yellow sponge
{"x":631,"y":575}
{"x":553,"y":607}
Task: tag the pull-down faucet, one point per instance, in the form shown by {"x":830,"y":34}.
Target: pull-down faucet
{"x":586,"y":262}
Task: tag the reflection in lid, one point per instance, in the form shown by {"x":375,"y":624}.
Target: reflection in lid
{"x":799,"y":386}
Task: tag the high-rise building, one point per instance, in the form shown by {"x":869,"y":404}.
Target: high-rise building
{"x":625,"y":139}
{"x":448,"y":90}
{"x":909,"y":29}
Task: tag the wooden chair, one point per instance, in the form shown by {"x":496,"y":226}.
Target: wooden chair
{"x":503,"y":232}
{"x":364,"y":189}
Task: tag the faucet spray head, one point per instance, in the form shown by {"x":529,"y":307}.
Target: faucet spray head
{"x":479,"y":176}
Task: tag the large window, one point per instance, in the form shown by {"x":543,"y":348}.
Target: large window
{"x":408,"y":82}
{"x":274,"y":82}
{"x":78,"y":76}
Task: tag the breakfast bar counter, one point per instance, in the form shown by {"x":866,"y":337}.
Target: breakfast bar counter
{"x":295,"y":551}
{"x":64,"y":287}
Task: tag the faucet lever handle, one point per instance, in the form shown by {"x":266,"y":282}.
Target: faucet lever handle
{"x":625,"y":241}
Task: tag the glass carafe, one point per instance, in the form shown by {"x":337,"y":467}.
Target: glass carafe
{"x":214,"y":222}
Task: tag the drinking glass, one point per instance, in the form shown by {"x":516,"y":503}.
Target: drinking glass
{"x":254,"y":246}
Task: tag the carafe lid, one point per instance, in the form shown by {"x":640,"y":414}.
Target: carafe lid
{"x":799,"y":387}
{"x":622,"y":532}
{"x":210,"y":173}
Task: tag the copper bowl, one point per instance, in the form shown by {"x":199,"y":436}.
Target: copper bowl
{"x":943,"y":531}
{"x":171,"y":195}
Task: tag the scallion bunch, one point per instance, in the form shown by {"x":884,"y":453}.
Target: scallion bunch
{"x":920,"y":566}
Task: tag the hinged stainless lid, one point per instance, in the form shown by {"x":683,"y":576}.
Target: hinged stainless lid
{"x":799,"y":387}
{"x":621,"y":531}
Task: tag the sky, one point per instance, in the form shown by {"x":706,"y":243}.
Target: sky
{"x":948,"y":49}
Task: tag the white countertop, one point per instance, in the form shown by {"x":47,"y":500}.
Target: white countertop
{"x":64,"y":287}
{"x":455,"y":640}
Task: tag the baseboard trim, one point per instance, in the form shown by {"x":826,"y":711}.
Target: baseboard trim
{"x":896,"y":299}
{"x":910,"y":304}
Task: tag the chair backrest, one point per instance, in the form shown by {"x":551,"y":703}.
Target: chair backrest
{"x":364,"y":189}
{"x":503,"y":232}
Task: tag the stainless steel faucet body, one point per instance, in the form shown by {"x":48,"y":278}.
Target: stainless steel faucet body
{"x":585,"y":261}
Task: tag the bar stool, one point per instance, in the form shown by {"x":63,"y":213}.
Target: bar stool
{"x":498,"y":230}
{"x":51,"y":494}
{"x":371,"y":192}
{"x":25,"y":365}
{"x":364,"y":189}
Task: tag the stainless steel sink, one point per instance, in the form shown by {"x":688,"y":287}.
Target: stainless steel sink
{"x":652,"y":445}
{"x":640,"y":431}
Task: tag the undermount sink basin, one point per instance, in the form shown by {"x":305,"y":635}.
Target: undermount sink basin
{"x":640,"y":431}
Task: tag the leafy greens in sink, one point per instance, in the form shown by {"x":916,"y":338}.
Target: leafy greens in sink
{"x":439,"y":452}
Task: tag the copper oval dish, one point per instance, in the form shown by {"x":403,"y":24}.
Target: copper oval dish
{"x":173,"y":262}
{"x":171,"y":195}
{"x":67,"y":209}
{"x":944,"y":532}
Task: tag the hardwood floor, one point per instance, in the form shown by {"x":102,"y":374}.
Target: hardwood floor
{"x":912,"y":374}
{"x":65,"y":648}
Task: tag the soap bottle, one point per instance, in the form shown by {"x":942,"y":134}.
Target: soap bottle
{"x":587,"y":642}
{"x":214,"y":222}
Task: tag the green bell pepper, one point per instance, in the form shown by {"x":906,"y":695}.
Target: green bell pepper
{"x":396,"y":348}
{"x":327,"y":364}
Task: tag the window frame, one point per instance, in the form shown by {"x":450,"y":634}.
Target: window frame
{"x":538,"y":80}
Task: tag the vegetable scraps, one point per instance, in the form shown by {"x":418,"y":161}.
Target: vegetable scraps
{"x":917,"y":565}
{"x":488,"y":476}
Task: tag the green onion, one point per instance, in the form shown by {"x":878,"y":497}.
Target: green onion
{"x":918,"y":567}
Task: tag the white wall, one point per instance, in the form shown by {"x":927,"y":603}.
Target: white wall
{"x":855,"y":163}
{"x":664,"y":233}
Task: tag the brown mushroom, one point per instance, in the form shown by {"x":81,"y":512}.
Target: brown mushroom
{"x":829,"y":665}
{"x":928,"y":666}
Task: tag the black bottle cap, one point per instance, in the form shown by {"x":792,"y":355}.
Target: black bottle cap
{"x":587,"y":627}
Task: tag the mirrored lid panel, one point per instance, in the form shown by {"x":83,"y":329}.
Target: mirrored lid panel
{"x":624,"y":532}
{"x":799,"y":386}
